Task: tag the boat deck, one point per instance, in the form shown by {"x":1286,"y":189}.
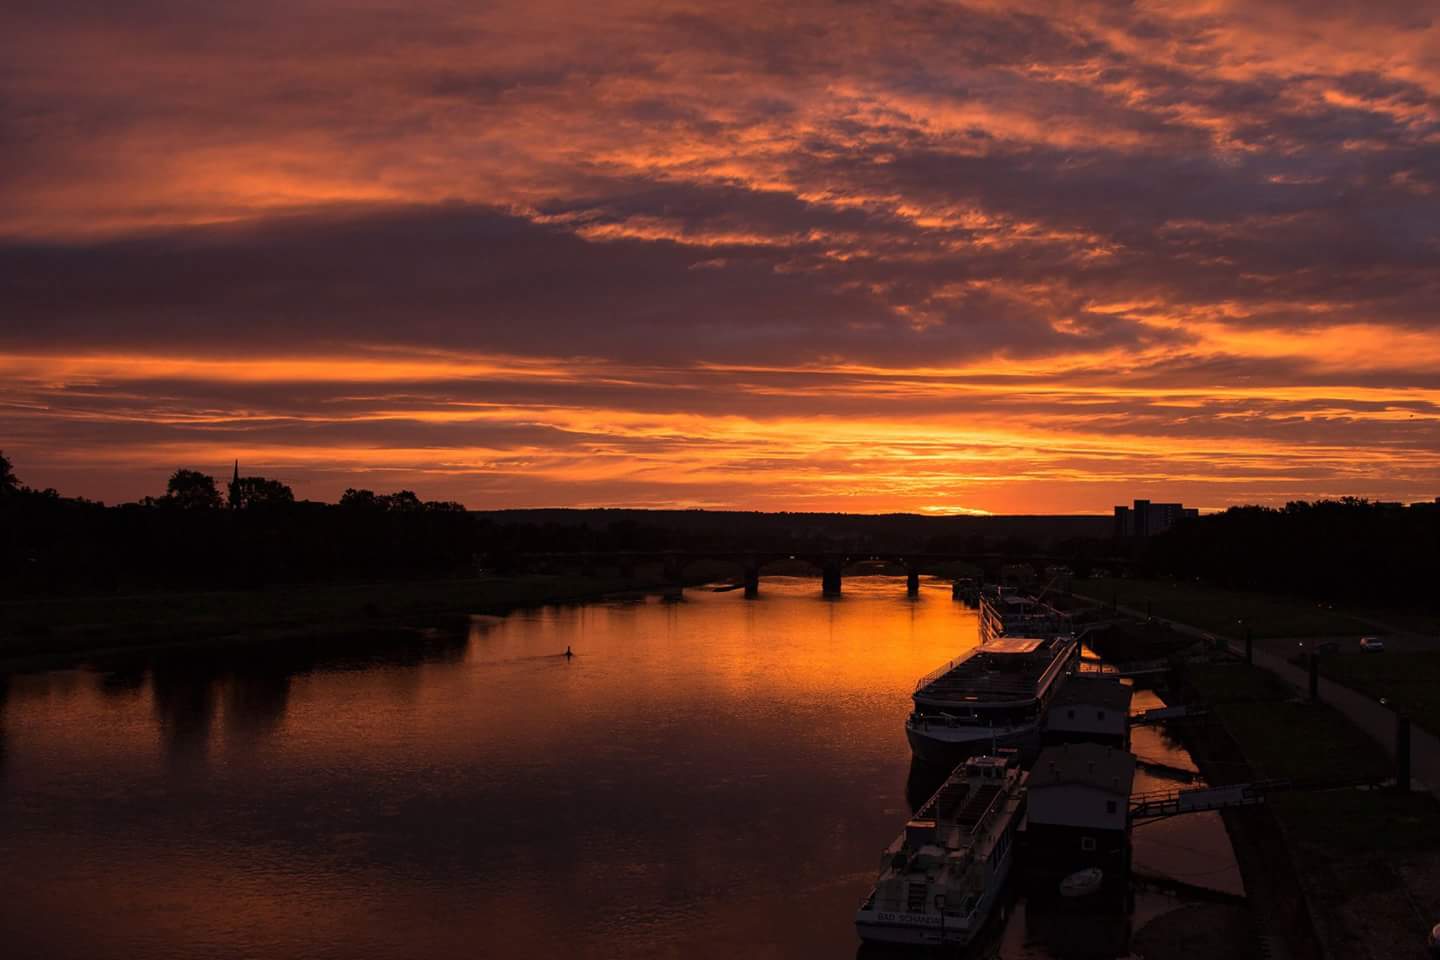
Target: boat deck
{"x":981,"y":799}
{"x":995,"y":672}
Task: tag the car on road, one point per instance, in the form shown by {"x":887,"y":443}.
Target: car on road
{"x":1372,"y":645}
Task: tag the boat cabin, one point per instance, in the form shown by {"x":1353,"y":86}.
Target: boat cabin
{"x":1079,"y":814}
{"x":1089,"y":709}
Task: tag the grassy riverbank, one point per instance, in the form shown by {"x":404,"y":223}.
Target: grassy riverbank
{"x":1224,"y":612}
{"x":60,"y":627}
{"x":1367,"y":860}
{"x":1411,"y":681}
{"x":1283,"y":738}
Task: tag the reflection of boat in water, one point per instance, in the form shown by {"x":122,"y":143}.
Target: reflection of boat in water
{"x":1082,"y":883}
{"x":993,"y":696}
{"x":941,"y":877}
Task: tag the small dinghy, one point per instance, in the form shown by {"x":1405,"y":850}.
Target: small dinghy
{"x":1082,"y":883}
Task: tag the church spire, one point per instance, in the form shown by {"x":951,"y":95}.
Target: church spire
{"x":235,"y":487}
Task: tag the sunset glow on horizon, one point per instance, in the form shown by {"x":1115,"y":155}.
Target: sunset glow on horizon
{"x":927,"y":257}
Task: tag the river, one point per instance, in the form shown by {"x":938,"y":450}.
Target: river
{"x":713,"y":777}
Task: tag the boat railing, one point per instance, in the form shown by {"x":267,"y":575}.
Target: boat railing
{"x":925,"y":721}
{"x":1061,"y":662}
{"x":943,"y":669}
{"x":990,"y":687}
{"x":961,"y":701}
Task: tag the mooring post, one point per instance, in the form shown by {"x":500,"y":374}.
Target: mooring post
{"x":830,"y":579}
{"x":1314,"y":677}
{"x":1402,"y":752}
{"x":912,"y":582}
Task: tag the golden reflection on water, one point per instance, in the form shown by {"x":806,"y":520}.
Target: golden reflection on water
{"x":717,"y":771}
{"x":1194,"y":848}
{"x":703,"y":778}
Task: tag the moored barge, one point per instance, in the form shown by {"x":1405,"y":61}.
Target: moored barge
{"x":939,"y":880}
{"x":992,"y":696}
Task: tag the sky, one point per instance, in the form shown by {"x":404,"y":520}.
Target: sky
{"x":1025,"y":257}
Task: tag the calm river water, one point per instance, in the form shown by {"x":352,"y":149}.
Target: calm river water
{"x":709,"y":778}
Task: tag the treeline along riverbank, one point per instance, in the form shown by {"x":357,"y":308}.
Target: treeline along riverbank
{"x":48,"y":631}
{"x":1348,"y":551}
{"x":252,"y":532}
{"x":63,"y":559}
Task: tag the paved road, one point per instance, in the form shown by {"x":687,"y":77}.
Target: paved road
{"x":1367,"y":714}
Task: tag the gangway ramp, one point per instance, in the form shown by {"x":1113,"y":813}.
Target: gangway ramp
{"x":1158,"y":714}
{"x":1137,"y":668}
{"x":1159,"y":804}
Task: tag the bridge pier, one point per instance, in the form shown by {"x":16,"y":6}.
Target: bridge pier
{"x":830,"y":578}
{"x":912,"y":582}
{"x":751,"y":579}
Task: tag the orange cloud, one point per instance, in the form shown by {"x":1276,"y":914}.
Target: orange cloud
{"x":988,"y":255}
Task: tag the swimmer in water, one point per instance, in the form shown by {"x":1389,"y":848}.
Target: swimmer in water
{"x":568,"y":654}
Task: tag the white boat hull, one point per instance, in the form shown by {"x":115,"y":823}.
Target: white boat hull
{"x":883,"y":926}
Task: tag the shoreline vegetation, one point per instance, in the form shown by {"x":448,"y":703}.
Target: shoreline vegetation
{"x":40,"y":633}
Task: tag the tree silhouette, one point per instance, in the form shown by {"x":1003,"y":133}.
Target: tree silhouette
{"x":192,"y":490}
{"x":353,"y":499}
{"x":9,"y":483}
{"x":252,"y":492}
{"x":403,"y":500}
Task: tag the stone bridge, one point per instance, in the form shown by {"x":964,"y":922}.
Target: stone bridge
{"x":830,"y":563}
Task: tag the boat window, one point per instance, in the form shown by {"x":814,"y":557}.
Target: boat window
{"x":1099,"y":714}
{"x":1109,"y":806}
{"x":1087,"y":844}
{"x":1070,"y":714}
